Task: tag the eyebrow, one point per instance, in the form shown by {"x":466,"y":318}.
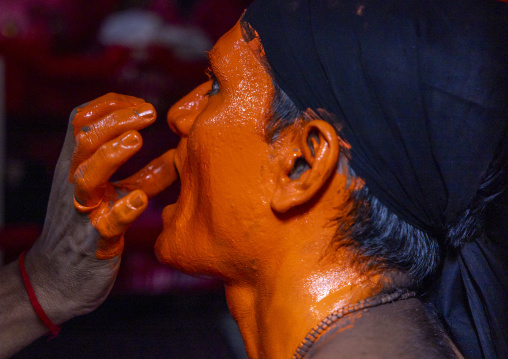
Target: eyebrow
{"x":220,"y":51}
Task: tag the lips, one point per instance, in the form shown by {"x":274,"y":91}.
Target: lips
{"x":176,"y":163}
{"x":179,"y":155}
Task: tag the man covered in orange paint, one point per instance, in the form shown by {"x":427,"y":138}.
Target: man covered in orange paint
{"x":342,"y":170}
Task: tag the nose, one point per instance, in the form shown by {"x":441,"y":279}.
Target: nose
{"x":182,"y":114}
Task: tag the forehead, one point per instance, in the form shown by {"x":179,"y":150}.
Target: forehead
{"x":240,"y":52}
{"x":246,"y":88}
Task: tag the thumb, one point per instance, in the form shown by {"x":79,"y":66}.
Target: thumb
{"x":112,"y":224}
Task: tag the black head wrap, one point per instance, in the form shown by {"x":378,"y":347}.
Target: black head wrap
{"x":421,"y":90}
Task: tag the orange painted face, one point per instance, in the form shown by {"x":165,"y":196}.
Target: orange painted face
{"x":223,"y":160}
{"x":240,"y":216}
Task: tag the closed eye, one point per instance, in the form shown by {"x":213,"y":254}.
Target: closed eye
{"x":215,"y":84}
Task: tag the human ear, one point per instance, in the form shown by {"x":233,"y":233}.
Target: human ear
{"x":306,"y":169}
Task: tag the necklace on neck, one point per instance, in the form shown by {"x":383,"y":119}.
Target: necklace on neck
{"x":316,"y":332}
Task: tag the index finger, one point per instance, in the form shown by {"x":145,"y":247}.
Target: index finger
{"x":104,"y":129}
{"x":100,"y":107}
{"x":153,"y":178}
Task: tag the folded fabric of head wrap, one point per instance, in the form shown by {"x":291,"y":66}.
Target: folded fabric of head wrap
{"x":421,"y":91}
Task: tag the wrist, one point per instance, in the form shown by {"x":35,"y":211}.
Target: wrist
{"x":19,"y":324}
{"x":69,"y":284}
{"x":39,"y":272}
{"x":48,"y":323}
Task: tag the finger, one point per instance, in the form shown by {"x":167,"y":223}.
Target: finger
{"x":113,"y":224}
{"x":153,"y":178}
{"x":85,"y":114}
{"x":91,"y":177}
{"x":91,"y":137}
{"x":122,"y":214}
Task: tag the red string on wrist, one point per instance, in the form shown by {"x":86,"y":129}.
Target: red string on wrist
{"x":53,"y":328}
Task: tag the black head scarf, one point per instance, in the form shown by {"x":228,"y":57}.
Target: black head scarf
{"x":421,"y":90}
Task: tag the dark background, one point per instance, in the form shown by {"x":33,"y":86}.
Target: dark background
{"x":54,"y":60}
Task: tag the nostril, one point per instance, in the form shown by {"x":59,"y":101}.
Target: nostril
{"x":180,"y":120}
{"x":174,"y":129}
{"x":178,"y":127}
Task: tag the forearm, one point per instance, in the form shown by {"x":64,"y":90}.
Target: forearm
{"x":73,"y":265}
{"x":19,"y":324}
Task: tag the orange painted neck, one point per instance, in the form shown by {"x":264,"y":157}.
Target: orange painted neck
{"x":281,"y":278}
{"x":292,"y":294}
{"x":300,"y":281}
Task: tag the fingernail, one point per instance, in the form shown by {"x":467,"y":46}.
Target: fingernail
{"x":137,"y":202}
{"x":131,"y":139}
{"x":145,"y":110}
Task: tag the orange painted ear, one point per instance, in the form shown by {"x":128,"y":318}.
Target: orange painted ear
{"x":306,"y":169}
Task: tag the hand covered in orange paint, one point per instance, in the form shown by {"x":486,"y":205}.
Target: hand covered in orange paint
{"x":106,"y":134}
{"x":73,"y":264}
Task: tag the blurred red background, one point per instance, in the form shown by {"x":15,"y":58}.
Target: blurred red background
{"x":58,"y":54}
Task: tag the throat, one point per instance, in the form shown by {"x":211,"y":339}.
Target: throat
{"x":276,"y":315}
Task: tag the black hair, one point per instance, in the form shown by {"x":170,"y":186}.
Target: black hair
{"x":283,"y":113}
{"x":381,"y":239}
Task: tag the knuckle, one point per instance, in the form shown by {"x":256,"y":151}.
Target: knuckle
{"x":86,"y":179}
{"x":78,"y":109}
{"x":79,"y":178}
{"x":109,"y":225}
{"x":111,"y":98}
{"x":74,"y":112}
{"x":107,"y":229}
{"x":85,"y":137}
{"x":108,"y":153}
{"x":121,"y":214}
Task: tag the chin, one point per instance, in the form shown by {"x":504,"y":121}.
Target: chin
{"x":175,"y":250}
{"x":164,"y":246}
{"x":168,"y":253}
{"x":187,"y":247}
{"x":189,"y":258}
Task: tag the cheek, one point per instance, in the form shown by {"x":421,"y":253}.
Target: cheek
{"x":231,"y":165}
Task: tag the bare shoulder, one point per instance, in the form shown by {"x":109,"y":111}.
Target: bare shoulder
{"x":401,"y":329}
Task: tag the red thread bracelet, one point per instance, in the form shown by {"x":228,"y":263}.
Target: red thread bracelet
{"x":53,"y":328}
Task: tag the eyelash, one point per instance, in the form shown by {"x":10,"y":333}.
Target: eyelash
{"x":215,"y":84}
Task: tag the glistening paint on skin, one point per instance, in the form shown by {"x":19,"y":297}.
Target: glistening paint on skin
{"x":226,"y":222}
{"x":106,"y":136}
{"x":240,"y":216}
